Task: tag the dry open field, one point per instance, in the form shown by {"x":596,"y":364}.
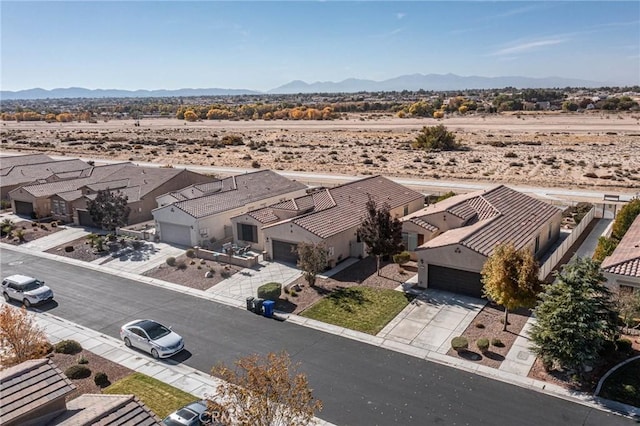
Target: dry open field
{"x":591,"y":151}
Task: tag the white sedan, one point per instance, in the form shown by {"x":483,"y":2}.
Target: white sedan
{"x":153,"y":337}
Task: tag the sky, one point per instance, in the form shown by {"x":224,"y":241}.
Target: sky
{"x":261,"y":45}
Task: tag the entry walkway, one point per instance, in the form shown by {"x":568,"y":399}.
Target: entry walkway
{"x":56,"y":239}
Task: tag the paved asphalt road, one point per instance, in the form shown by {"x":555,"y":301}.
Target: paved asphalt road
{"x":359,"y":384}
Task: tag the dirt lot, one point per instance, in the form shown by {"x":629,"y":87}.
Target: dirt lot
{"x":362,"y":273}
{"x":555,"y":149}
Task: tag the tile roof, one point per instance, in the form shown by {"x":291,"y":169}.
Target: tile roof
{"x":18,"y":174}
{"x":501,"y":215}
{"x":30,"y":385}
{"x":107,"y":410}
{"x":423,"y":224}
{"x":23,"y":160}
{"x":238,"y":191}
{"x":314,"y":202}
{"x":344,"y":206}
{"x":197,"y":190}
{"x":625,"y":259}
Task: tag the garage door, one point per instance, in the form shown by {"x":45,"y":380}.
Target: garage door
{"x":84,"y":219}
{"x":23,"y":208}
{"x":455,"y":280}
{"x":175,"y":234}
{"x":285,"y":252}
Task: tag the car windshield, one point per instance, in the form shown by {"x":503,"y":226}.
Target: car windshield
{"x":154,"y":330}
{"x":33,"y":285}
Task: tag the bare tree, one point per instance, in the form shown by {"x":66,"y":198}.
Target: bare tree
{"x":264,"y":391}
{"x":20,"y":336}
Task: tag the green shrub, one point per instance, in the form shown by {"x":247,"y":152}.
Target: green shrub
{"x":190,"y":253}
{"x":83,"y":360}
{"x":77,"y":372}
{"x":69,"y":347}
{"x":171,"y":261}
{"x":624,"y":345}
{"x":459,"y":344}
{"x":101,"y":380}
{"x":402,"y":258}
{"x":68,"y":249}
{"x":483,"y":344}
{"x":497,"y":343}
{"x":270,"y":291}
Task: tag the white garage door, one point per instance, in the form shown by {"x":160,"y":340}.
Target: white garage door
{"x":175,"y":234}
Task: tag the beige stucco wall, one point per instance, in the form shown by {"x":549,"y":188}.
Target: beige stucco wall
{"x":614,"y":281}
{"x":248,"y":220}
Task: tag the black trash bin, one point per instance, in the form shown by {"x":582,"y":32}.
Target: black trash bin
{"x":257,"y":305}
{"x":250,"y":303}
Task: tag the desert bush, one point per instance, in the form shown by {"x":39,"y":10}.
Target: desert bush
{"x":190,"y":253}
{"x":255,"y":164}
{"x":270,"y":291}
{"x":225,"y":274}
{"x":510,"y":154}
{"x":479,"y":325}
{"x":483,"y":344}
{"x":171,"y":261}
{"x":181,"y":265}
{"x":497,"y":343}
{"x":101,"y":380}
{"x":402,"y":258}
{"x":76,"y":372}
{"x":69,"y":347}
{"x":82,"y":360}
{"x":591,"y":175}
{"x":68,"y":249}
{"x":459,"y":344}
{"x":44,"y":349}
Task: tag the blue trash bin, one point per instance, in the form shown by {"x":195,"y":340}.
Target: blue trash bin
{"x":268,"y":306}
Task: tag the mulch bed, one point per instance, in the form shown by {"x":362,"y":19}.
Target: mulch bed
{"x":31,"y":232}
{"x":192,"y":274}
{"x":96,"y":364}
{"x":489,"y":323}
{"x":361,"y":273}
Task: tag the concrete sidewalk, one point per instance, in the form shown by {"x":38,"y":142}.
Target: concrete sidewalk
{"x":56,"y":239}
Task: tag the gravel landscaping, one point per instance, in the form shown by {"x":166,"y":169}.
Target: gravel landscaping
{"x":191,"y":272}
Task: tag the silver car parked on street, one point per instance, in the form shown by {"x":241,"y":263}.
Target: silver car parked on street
{"x":153,"y":337}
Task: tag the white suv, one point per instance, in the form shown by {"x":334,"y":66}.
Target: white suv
{"x":27,"y":290}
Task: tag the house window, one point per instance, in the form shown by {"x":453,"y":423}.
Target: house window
{"x":247,"y":233}
{"x":63,"y":207}
{"x":409,"y":241}
{"x":405,"y":211}
{"x":537,"y":247}
{"x":55,"y":206}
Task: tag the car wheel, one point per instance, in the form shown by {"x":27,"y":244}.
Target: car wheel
{"x":154,"y":354}
{"x":26,"y":303}
{"x":127,"y":342}
{"x":6,"y":297}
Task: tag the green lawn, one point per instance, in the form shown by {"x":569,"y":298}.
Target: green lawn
{"x":363,"y":309}
{"x":159,"y":396}
{"x":624,"y":384}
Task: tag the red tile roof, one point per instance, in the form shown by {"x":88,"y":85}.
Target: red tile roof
{"x":625,"y":259}
{"x":30,"y":385}
{"x":344,"y":207}
{"x":498,"y":215}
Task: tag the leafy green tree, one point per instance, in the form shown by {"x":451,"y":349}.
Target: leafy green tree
{"x":312,"y":259}
{"x":575,"y":317}
{"x":510,"y":278}
{"x":436,"y":138}
{"x":109,"y":210}
{"x":625,"y":218}
{"x":264,"y":391}
{"x":605,"y":248}
{"x":380,"y":232}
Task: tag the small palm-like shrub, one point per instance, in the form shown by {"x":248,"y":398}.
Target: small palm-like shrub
{"x":83,"y":360}
{"x":270,"y":291}
{"x":459,"y":344}
{"x":69,"y":347}
{"x":76,"y":372}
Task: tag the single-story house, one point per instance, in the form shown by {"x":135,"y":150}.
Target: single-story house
{"x":622,"y":267}
{"x":34,"y":392}
{"x":19,"y":170}
{"x":200,"y":214}
{"x":66,"y":200}
{"x":329,"y":216}
{"x":452,"y":239}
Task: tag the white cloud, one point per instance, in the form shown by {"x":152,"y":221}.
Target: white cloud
{"x":524,"y":47}
{"x":400,"y":15}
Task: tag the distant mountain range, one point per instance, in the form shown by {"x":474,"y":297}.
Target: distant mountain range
{"x":412,"y":82}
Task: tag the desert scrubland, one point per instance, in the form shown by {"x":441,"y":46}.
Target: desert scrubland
{"x":589,"y":151}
